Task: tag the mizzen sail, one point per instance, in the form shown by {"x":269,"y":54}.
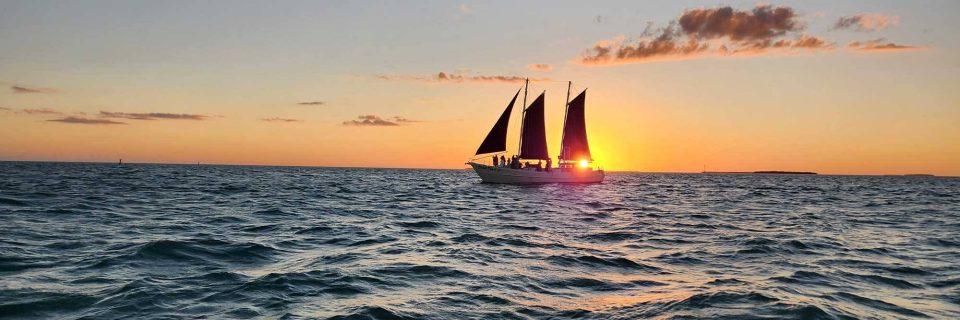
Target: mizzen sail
{"x":496,"y":140}
{"x":533,"y":134}
{"x":574,"y":146}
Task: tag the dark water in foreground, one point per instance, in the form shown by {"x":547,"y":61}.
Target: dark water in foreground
{"x":164,"y":241}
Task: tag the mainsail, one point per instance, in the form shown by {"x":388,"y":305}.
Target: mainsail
{"x":533,"y":134}
{"x":574,"y":146}
{"x":496,"y":140}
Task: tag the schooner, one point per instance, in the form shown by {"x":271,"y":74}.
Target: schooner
{"x":573,"y":161}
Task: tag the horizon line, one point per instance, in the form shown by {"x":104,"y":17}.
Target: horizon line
{"x":451,"y":169}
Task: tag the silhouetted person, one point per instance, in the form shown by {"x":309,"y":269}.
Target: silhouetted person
{"x":495,"y":160}
{"x":549,"y":164}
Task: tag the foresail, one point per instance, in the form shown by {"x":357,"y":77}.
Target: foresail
{"x":533,"y":143}
{"x":574,"y":146}
{"x":496,"y":140}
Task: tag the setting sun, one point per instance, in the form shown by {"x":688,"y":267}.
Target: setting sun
{"x":584,"y":163}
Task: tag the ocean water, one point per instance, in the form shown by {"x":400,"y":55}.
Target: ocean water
{"x":102,"y":241}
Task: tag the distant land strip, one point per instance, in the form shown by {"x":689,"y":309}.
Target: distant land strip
{"x":760,"y":172}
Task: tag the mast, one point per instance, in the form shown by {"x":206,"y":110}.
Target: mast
{"x":566,"y":108}
{"x":523,"y":114}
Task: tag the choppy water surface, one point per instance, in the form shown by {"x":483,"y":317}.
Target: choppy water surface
{"x":160,"y":241}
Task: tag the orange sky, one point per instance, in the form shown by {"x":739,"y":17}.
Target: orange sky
{"x":186,"y":87}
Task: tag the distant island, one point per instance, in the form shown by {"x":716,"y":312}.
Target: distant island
{"x":760,"y":172}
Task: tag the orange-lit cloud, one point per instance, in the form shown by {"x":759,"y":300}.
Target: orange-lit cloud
{"x":762,"y":23}
{"x":275,"y":119}
{"x":311,"y":103}
{"x":373,"y":120}
{"x":539,"y":67}
{"x":721,"y":31}
{"x":444,"y":77}
{"x":866,"y":22}
{"x":19,"y":89}
{"x":81,"y":120}
{"x":39,"y":111}
{"x":152,"y":116}
{"x":880,"y":45}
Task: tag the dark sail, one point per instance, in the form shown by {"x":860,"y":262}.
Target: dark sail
{"x":533,"y":139}
{"x":574,"y":146}
{"x":496,"y":140}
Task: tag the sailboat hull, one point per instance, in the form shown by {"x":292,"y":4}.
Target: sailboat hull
{"x":491,"y":174}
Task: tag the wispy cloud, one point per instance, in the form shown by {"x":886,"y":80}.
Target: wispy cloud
{"x":152,"y":116}
{"x":866,"y":22}
{"x":39,"y":111}
{"x":880,"y":45}
{"x":81,"y":120}
{"x":465,"y":9}
{"x":702,"y":32}
{"x":20,"y":89}
{"x":311,"y":103}
{"x":373,"y":120}
{"x":5,"y":109}
{"x":275,"y":119}
{"x":444,"y":77}
{"x":539,"y":67}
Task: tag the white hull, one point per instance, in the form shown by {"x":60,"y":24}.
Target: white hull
{"x":493,"y":174}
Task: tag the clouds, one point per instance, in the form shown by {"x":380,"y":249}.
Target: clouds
{"x":275,"y":119}
{"x":725,"y":31}
{"x":880,"y":45}
{"x":107,"y":117}
{"x":376,"y":121}
{"x":762,"y":23}
{"x":717,"y":31}
{"x":39,"y":111}
{"x":82,"y":120}
{"x":152,"y":116}
{"x":444,"y":77}
{"x":539,"y":67}
{"x":866,"y":22}
{"x":311,"y":103}
{"x":465,"y":9}
{"x":20,"y":89}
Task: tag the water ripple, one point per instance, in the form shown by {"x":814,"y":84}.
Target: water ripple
{"x":168,"y":241}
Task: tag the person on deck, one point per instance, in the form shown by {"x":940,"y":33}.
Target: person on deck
{"x":548,"y":164}
{"x":539,"y":165}
{"x":503,"y":161}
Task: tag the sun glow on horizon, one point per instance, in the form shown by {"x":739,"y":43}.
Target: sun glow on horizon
{"x":584,"y":163}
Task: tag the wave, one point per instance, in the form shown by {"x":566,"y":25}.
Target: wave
{"x":458,"y":297}
{"x":420,"y":224}
{"x":470,"y":237}
{"x":314,"y":229}
{"x":875,"y":304}
{"x":417,"y":271}
{"x":41,"y":304}
{"x":199,"y":251}
{"x":705,"y":300}
{"x":376,"y":313}
{"x":14,"y":202}
{"x":594,"y":261}
{"x":614,"y":236}
{"x":881,"y":280}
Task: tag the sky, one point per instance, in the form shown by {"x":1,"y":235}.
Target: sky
{"x":835,"y":87}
